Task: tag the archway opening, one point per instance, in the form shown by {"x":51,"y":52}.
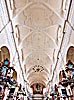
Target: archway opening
{"x":70,"y":54}
{"x":4,"y":53}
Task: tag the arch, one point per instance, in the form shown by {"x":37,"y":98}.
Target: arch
{"x":21,"y":44}
{"x":36,"y":58}
{"x":45,"y":33}
{"x":30,"y":53}
{"x":35,"y":77}
{"x":4,"y":53}
{"x":37,"y":81}
{"x":43,"y":3}
{"x":68,"y":47}
{"x":70,"y":54}
{"x":34,"y":82}
{"x":44,"y":75}
{"x":40,"y":52}
{"x":30,"y":71}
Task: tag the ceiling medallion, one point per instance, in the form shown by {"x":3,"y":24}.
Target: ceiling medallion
{"x":38,"y":68}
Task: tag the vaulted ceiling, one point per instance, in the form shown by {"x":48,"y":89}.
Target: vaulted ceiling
{"x":38,"y":26}
{"x":38,"y":22}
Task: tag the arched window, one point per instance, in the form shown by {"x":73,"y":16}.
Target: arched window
{"x":70,"y":54}
{"x":4,"y":53}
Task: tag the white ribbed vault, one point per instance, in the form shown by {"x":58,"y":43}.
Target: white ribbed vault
{"x":39,"y":34}
{"x":37,"y":23}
